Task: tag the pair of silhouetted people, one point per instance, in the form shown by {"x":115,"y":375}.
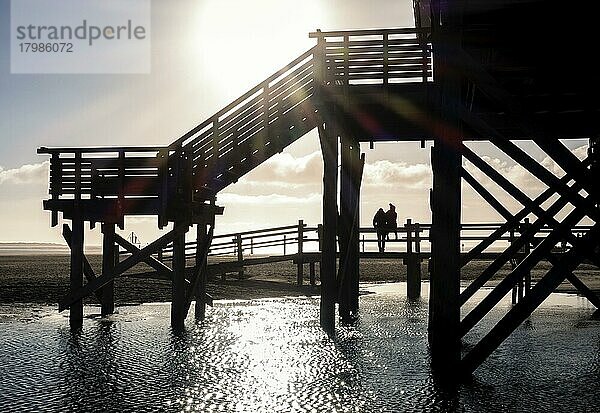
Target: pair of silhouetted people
{"x":385,"y":222}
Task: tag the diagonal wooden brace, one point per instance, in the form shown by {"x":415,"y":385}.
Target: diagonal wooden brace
{"x":510,"y":224}
{"x":197,"y":273}
{"x":161,"y":268}
{"x":523,"y":309}
{"x":526,"y":161}
{"x":544,"y":217}
{"x":542,"y":250}
{"x":486,"y":195}
{"x":87,"y":268}
{"x":99,"y":282}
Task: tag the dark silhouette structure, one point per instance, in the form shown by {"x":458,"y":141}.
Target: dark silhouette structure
{"x":380,"y":225}
{"x":391,"y":221}
{"x":480,"y":70}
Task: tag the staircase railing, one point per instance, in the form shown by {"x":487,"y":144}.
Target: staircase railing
{"x":254,"y":113}
{"x":380,"y":56}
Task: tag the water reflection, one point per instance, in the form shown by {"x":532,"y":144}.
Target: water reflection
{"x":271,"y":355}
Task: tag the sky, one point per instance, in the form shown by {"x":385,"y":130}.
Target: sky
{"x":204,"y":55}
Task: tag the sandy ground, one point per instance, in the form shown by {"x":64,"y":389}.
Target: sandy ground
{"x":44,"y":279}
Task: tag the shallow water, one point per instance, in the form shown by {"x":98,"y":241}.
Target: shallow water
{"x":270,"y":355}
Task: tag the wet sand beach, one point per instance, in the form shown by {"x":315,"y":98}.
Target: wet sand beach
{"x":44,"y":279}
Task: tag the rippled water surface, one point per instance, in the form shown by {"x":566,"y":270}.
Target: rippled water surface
{"x":271,"y":356}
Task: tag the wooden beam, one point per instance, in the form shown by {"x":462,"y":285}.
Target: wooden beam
{"x":444,"y":286}
{"x":198,"y":283}
{"x":329,"y":148}
{"x":561,"y":155}
{"x":539,"y":252}
{"x":300,"y":265}
{"x":78,"y":293}
{"x":511,"y":223}
{"x":446,"y":163}
{"x":161,"y":268}
{"x":178,"y":284}
{"x":76,"y":274}
{"x":526,"y":161}
{"x":516,"y":244}
{"x":486,"y":195}
{"x":569,"y":163}
{"x":584,"y":289}
{"x":108,"y":265}
{"x":88,"y":271}
{"x":348,"y":278}
{"x":518,"y":313}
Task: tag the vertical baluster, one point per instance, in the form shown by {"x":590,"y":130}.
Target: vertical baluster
{"x":386,"y":62}
{"x":266,"y":98}
{"x":121,"y":194}
{"x":55,"y":183}
{"x":346,"y":63}
{"x":300,"y":273}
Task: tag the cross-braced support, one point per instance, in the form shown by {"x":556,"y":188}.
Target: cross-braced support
{"x":527,"y":249}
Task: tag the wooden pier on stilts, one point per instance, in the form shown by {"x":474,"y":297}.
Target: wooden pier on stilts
{"x":461,"y":75}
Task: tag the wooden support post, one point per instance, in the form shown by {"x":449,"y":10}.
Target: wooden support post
{"x":240,"y":255}
{"x":201,"y":239}
{"x":178,"y":284}
{"x":446,"y":162}
{"x":329,"y":147}
{"x":526,"y":251}
{"x":312,"y":276}
{"x":350,"y":177}
{"x":108,"y":264}
{"x":300,"y":256}
{"x":444,"y":305}
{"x":412,"y":262}
{"x":284,"y":244}
{"x":76,"y":275}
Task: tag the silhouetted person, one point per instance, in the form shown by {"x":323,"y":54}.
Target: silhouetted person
{"x":391,"y":219}
{"x":380,"y":225}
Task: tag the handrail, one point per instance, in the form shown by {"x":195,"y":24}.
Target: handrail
{"x":98,"y":149}
{"x":183,"y":139}
{"x":288,"y":235}
{"x":368,"y":32}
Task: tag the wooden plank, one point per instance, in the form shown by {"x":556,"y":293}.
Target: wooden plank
{"x":368,"y":32}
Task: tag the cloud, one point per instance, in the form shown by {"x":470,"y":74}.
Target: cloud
{"x":397,"y":174}
{"x":267,"y":200}
{"x":286,"y":169}
{"x":26,"y":174}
